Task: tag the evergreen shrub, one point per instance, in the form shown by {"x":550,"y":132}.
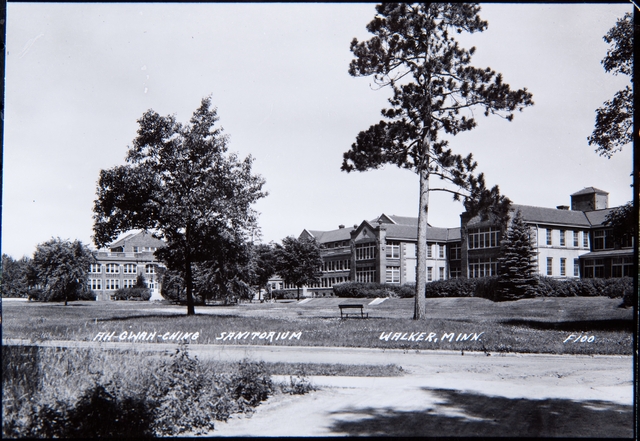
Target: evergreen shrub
{"x":280,"y":294}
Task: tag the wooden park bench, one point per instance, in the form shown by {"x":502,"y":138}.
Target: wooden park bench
{"x":348,"y":306}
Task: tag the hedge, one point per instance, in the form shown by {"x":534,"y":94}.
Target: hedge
{"x":487,"y":288}
{"x":373,"y":290}
{"x":135,"y":293}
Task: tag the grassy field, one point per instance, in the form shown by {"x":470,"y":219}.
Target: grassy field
{"x":585,"y":325}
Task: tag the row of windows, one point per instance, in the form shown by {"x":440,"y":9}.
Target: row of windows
{"x":336,"y":265}
{"x":482,"y":268}
{"x":575,"y":235}
{"x":366,"y":251}
{"x":440,"y":249}
{"x":367,"y":274}
{"x":112,"y":284}
{"x":563,"y":266}
{"x":484,"y":238}
{"x":127,"y":268}
{"x":620,"y":267}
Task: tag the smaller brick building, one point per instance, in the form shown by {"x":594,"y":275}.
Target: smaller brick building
{"x":119,"y":266}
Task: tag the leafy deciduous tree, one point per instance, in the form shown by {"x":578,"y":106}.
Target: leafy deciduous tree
{"x":181,"y":183}
{"x":298,"y":261}
{"x":264,"y":265}
{"x":14,"y":277}
{"x":59,"y":269}
{"x":517,"y":270}
{"x":614,"y":120}
{"x":435,"y":90}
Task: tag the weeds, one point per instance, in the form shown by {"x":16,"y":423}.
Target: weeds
{"x":50,"y":393}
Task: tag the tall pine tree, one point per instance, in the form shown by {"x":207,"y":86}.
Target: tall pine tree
{"x":517,"y":269}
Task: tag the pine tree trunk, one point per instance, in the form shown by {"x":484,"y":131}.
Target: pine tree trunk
{"x":421,"y":269}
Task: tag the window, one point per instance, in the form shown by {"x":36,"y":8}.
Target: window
{"x":585,"y":239}
{"x":563,"y":266}
{"x":130,"y":268}
{"x":562,"y":238}
{"x":366,"y":274}
{"x":549,"y":266}
{"x":456,"y":273}
{"x":549,"y":242}
{"x":136,"y":249}
{"x":602,"y":239}
{"x":129,"y":283}
{"x":576,"y":241}
{"x":484,"y":238}
{"x":393,"y":274}
{"x":441,"y":273}
{"x":429,"y":274}
{"x":441,"y":251}
{"x":150,"y":269}
{"x":576,"y":267}
{"x":95,"y":268}
{"x":366,"y":251}
{"x":429,"y":252}
{"x":95,"y":284}
{"x":112,"y":268}
{"x":393,"y":250}
{"x":482,"y":268}
{"x":593,"y":268}
{"x":112,"y":284}
{"x":455,"y":251}
{"x":621,"y":266}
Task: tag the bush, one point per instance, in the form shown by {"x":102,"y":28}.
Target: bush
{"x":139,"y":294}
{"x":371,"y":290}
{"x":280,"y":294}
{"x":451,"y":288}
{"x":252,"y":383}
{"x":41,"y":295}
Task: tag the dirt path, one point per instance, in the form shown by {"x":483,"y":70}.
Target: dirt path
{"x":444,"y":393}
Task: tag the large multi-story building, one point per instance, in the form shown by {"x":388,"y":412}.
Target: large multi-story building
{"x":568,"y":241}
{"x":119,"y":266}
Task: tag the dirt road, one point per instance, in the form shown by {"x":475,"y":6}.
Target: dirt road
{"x":444,"y":393}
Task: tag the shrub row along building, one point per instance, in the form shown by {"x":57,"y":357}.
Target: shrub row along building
{"x":569,"y":242}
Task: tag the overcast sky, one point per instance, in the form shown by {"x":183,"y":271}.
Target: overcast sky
{"x":78,"y":76}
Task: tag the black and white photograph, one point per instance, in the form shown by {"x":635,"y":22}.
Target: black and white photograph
{"x":318,"y":219}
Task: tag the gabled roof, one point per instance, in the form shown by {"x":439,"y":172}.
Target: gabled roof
{"x":589,"y":190}
{"x":141,"y":238}
{"x":397,"y":220}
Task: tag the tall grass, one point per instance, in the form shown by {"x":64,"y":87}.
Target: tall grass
{"x":92,"y":393}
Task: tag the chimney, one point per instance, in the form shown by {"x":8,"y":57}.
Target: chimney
{"x":562,"y":207}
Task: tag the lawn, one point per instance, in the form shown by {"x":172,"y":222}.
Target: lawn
{"x":576,"y":325}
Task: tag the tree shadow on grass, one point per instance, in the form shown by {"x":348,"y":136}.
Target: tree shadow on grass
{"x":155,"y":316}
{"x":463,"y":414}
{"x":577,"y":325}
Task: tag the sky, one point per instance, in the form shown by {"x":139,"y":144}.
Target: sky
{"x":78,"y":77}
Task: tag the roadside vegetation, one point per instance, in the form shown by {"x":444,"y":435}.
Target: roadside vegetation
{"x":71,"y":393}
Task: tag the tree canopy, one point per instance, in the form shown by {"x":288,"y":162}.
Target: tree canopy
{"x":59,"y":269}
{"x":180,"y":182}
{"x":14,"y":277}
{"x":435,"y":90}
{"x":614,"y":120}
{"x":298,"y":261}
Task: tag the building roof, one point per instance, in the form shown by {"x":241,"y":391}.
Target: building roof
{"x":597,"y":217}
{"x":589,"y":190}
{"x":545,"y":215}
{"x":331,"y":236}
{"x":141,"y":238}
{"x":625,"y":252}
